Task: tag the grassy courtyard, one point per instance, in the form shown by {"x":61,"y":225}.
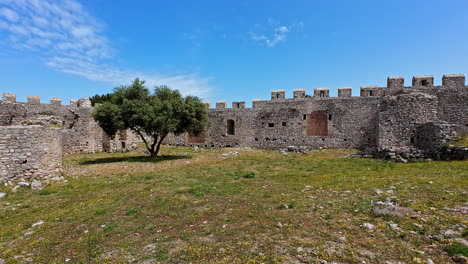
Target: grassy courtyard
{"x":256,"y":206}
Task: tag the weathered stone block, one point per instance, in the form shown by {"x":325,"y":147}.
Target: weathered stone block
{"x":453,"y":80}
{"x":395,"y":82}
{"x":370,"y":90}
{"x":299,"y":93}
{"x":56,"y":101}
{"x":221,"y":105}
{"x":34,"y":99}
{"x":278,"y":94}
{"x":238,"y":105}
{"x":9,"y":97}
{"x":420,"y":81}
{"x":344,"y":92}
{"x":321,"y":92}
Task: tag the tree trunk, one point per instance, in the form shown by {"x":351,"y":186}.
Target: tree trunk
{"x":152,"y":151}
{"x":159,"y":144}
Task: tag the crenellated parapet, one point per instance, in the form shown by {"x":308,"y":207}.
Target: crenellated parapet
{"x":220,"y":105}
{"x":321,"y":93}
{"x":35,"y":100}
{"x":299,"y":93}
{"x":238,"y":105}
{"x":420,"y":81}
{"x":54,"y":101}
{"x":278,"y":94}
{"x":344,"y":92}
{"x":453,"y":80}
{"x":395,"y":82}
{"x":9,"y":97}
{"x":369,"y":90}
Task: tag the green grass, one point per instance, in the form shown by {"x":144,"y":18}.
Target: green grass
{"x":462,"y":140}
{"x":457,"y":249}
{"x":196,"y":206}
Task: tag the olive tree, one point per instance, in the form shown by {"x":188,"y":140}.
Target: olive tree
{"x":151,"y":115}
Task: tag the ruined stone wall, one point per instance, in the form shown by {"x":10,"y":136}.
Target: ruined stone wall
{"x":419,"y":117}
{"x":349,"y":123}
{"x":30,"y":152}
{"x":81,"y":134}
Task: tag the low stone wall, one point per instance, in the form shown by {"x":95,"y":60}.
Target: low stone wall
{"x":30,"y":152}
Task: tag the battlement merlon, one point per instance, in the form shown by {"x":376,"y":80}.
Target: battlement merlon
{"x":74,"y":102}
{"x":238,"y":105}
{"x":9,"y":97}
{"x":84,"y":102}
{"x":35,"y":100}
{"x":220,"y":105}
{"x":278,"y":94}
{"x":420,"y":81}
{"x":344,"y":92}
{"x":395,"y":82}
{"x":256,"y":103}
{"x":369,"y":90}
{"x":321,"y":92}
{"x":56,"y":101}
{"x":299,"y":93}
{"x":453,"y":80}
{"x":207,"y":105}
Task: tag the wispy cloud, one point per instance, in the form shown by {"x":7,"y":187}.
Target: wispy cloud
{"x":273,"y":32}
{"x":72,"y":41}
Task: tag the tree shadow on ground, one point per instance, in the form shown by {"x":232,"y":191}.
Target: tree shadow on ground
{"x":134,"y":159}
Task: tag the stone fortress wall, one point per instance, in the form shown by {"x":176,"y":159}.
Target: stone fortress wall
{"x":34,"y":136}
{"x":397,"y":118}
{"x":420,"y":118}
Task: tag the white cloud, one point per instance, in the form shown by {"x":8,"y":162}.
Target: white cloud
{"x":9,"y":14}
{"x":71,"y":41}
{"x":273,"y":33}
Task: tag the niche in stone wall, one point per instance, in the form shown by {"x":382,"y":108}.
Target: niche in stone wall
{"x":317,"y":124}
{"x":231,"y":129}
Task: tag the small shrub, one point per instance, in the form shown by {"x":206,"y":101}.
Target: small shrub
{"x":132,"y":211}
{"x":200,"y":191}
{"x":45,"y":192}
{"x":457,"y":249}
{"x":100,"y":211}
{"x":109,"y":228}
{"x":291,"y":205}
{"x":249,"y":175}
{"x":149,"y":177}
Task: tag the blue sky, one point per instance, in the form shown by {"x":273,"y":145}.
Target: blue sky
{"x":225,"y":50}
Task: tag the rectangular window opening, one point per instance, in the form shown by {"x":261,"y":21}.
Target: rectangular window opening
{"x":283,"y":124}
{"x":271,"y":124}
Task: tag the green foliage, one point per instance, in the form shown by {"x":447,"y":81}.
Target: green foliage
{"x":131,"y":211}
{"x":151,"y":115}
{"x":99,"y":99}
{"x":45,"y":192}
{"x":457,"y":249}
{"x":249,"y":175}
